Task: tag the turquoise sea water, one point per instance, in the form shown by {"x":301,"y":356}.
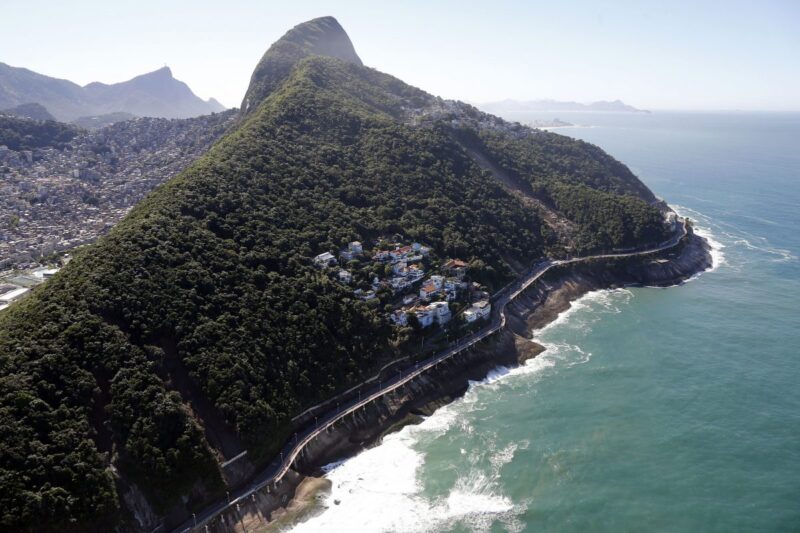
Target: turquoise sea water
{"x":651,"y":409}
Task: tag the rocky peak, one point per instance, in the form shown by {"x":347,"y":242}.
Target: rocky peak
{"x":322,"y":36}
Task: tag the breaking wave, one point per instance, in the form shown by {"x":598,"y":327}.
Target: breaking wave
{"x":702,"y":228}
{"x":383,"y":489}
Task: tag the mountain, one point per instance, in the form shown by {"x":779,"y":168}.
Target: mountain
{"x":323,"y":37}
{"x":505,"y":106}
{"x":200,"y":325}
{"x":62,"y":98}
{"x":156,"y":94}
{"x":31,"y":111}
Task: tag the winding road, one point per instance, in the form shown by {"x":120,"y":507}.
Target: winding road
{"x":274,"y":472}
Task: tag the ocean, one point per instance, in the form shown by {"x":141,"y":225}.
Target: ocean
{"x":651,"y":409}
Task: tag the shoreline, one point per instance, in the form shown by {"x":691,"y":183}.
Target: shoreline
{"x":537,"y":306}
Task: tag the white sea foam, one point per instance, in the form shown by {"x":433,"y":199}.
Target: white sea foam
{"x":380,"y":490}
{"x":717,"y":255}
{"x":781,"y":255}
{"x":563,"y":316}
{"x":735,"y":236}
{"x":607,"y":300}
{"x":701,"y":228}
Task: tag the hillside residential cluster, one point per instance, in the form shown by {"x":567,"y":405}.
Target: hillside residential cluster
{"x":414,"y":290}
{"x":462,"y":115}
{"x":54,"y":200}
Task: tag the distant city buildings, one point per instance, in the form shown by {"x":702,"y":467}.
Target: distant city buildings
{"x":54,"y":200}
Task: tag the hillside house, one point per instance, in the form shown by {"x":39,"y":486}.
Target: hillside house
{"x":400,"y":253}
{"x":345,"y":277}
{"x":399,"y":317}
{"x":325,"y":260}
{"x":441,"y":312}
{"x":425,"y":316}
{"x":361,"y":294}
{"x":353,"y":250}
{"x":399,"y":283}
{"x":420,"y":249}
{"x":428,"y":290}
{"x":456,"y":268}
{"x":382,"y":255}
{"x":478,"y":310}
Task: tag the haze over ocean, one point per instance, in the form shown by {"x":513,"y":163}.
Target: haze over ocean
{"x":651,"y":409}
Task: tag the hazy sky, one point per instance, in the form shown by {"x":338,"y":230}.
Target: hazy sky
{"x":666,"y":54}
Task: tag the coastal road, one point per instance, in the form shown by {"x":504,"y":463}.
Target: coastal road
{"x":272,"y":475}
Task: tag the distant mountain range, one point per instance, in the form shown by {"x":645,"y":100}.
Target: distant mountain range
{"x":156,"y":94}
{"x":509,"y":105}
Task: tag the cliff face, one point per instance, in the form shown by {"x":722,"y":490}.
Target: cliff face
{"x":542,"y":302}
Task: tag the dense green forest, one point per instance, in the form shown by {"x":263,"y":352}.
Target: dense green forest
{"x":208,"y":287}
{"x":26,"y":134}
{"x":610,"y":206}
{"x":606,"y":221}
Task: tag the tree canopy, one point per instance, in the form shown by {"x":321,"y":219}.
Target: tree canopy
{"x":202,"y":313}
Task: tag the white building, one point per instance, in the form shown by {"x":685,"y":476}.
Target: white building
{"x":425,"y":316}
{"x":353,"y":250}
{"x":427,"y":290}
{"x":324,"y":260}
{"x":12,"y":295}
{"x":478,"y":310}
{"x":438,"y":312}
{"x":398,"y":283}
{"x":399,"y":317}
{"x":364,"y":295}
{"x":399,"y":267}
{"x":441,"y":311}
{"x":420,"y":249}
{"x":345,"y":276}
{"x":44,"y":273}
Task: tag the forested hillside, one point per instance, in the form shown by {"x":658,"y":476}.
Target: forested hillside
{"x":26,"y":134}
{"x":203,"y":305}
